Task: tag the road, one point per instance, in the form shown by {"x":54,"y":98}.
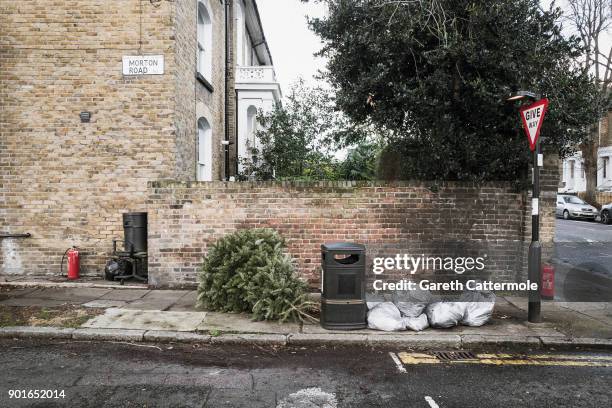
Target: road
{"x":125,"y":375}
{"x":583,"y":260}
{"x":583,"y":231}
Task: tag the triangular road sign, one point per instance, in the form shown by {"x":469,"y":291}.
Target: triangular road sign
{"x":533,"y":117}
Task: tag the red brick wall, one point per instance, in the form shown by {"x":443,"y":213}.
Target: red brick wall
{"x":186,"y":217}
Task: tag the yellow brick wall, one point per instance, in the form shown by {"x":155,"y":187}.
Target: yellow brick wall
{"x":66,"y":182}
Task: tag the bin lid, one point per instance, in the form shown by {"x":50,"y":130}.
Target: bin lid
{"x":343,"y":246}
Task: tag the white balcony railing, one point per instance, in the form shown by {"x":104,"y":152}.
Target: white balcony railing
{"x":262,"y":74}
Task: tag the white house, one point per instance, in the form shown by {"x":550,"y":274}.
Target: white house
{"x":256,"y":85}
{"x":573,"y":178}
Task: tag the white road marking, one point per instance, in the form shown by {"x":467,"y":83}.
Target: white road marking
{"x":431,"y":402}
{"x":309,"y":397}
{"x":398,"y":363}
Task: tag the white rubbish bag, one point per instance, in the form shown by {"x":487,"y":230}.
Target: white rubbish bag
{"x":445,"y":314}
{"x":387,"y":317}
{"x":412,"y":303}
{"x":416,"y":323}
{"x":374,"y":299}
{"x":479,"y":307}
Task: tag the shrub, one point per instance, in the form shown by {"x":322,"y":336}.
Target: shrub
{"x":248,"y":271}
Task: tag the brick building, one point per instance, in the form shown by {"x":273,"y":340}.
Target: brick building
{"x":83,"y":140}
{"x":202,"y":68}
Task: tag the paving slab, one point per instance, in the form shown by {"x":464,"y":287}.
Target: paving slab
{"x":186,"y":303}
{"x":127,"y":295}
{"x":104,"y":304}
{"x":16,"y":292}
{"x":25,"y":301}
{"x":115,"y":318}
{"x":495,"y":326}
{"x":242,"y":323}
{"x":72,"y":295}
{"x":522,"y":304}
{"x":586,"y":306}
{"x":157,"y":300}
{"x":538,"y":329}
{"x":577,"y":324}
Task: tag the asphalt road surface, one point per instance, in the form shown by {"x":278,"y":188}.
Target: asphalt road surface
{"x":583,"y":260}
{"x":583,"y":232}
{"x":145,"y":375}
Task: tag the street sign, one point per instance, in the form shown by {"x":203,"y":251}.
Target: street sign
{"x":143,"y":64}
{"x":533,"y":117}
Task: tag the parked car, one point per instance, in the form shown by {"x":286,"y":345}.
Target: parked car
{"x":569,"y":206}
{"x":606,"y":214}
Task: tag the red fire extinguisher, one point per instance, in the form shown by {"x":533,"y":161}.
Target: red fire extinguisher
{"x":73,"y":263}
{"x":548,"y":282}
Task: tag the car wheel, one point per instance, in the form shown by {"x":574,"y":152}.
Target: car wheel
{"x":566,"y":215}
{"x":605,"y":217}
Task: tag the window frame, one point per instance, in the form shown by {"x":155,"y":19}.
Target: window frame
{"x":204,"y":152}
{"x":204,"y":34}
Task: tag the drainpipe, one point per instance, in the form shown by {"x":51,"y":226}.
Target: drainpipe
{"x":226,"y":144}
{"x":26,"y":235}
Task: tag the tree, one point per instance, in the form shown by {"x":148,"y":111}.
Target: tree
{"x":361,"y":161}
{"x":433,"y":75}
{"x":590,"y":19}
{"x":298,"y":139}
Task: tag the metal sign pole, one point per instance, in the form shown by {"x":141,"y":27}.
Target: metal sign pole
{"x":535,"y":248}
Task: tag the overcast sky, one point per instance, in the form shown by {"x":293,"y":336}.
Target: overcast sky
{"x":292,"y":44}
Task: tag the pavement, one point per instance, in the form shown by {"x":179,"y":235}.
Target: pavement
{"x":119,"y":374}
{"x":580,"y":315}
{"x":130,"y":314}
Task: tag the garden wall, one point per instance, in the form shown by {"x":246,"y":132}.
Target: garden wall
{"x":458,"y":219}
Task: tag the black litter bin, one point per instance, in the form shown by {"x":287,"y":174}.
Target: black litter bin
{"x":343,"y":304}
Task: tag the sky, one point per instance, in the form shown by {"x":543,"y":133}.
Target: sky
{"x":292,"y":44}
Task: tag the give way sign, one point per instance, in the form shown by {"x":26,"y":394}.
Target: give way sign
{"x":533,"y":117}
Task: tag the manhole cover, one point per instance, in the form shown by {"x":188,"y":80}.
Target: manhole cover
{"x":453,"y":355}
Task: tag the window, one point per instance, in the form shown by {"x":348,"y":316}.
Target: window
{"x":573,"y":200}
{"x":571,"y":163}
{"x":240,"y":33}
{"x":606,"y":160}
{"x":204,"y":170}
{"x":248,"y":50}
{"x":204,"y":36}
{"x":251,"y":124}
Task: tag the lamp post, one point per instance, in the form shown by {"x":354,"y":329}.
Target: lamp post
{"x":534,"y":259}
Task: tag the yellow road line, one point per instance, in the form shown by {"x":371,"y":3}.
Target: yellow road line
{"x":569,"y":357}
{"x":417,"y":358}
{"x":508,"y":359}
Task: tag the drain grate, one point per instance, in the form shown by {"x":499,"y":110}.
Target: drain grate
{"x":453,"y":355}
